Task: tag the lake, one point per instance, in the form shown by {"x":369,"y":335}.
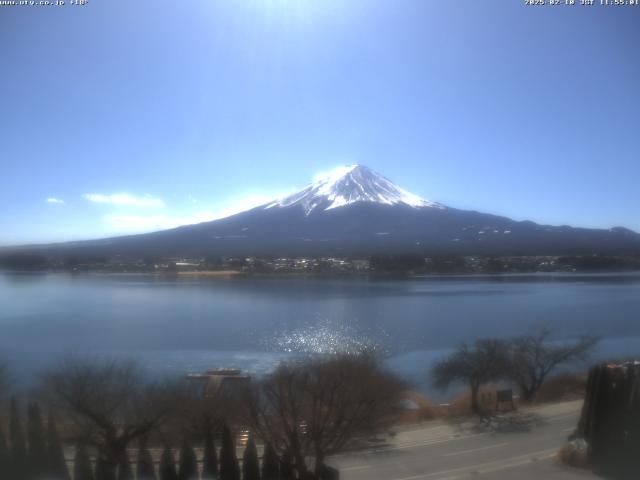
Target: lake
{"x":190,"y":324}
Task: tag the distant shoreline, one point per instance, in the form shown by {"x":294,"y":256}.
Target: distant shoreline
{"x":401,"y":265}
{"x":226,"y":274}
{"x":209,"y":273}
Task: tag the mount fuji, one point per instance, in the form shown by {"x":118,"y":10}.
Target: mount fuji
{"x":355,"y":211}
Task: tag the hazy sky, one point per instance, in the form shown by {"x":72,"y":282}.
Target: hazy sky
{"x":124,"y":116}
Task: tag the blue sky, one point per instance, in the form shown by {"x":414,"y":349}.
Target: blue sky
{"x":125,"y":116}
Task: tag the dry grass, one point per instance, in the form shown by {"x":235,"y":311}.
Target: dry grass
{"x":570,"y":455}
{"x":424,"y":411}
{"x":559,"y":388}
{"x":563,"y":387}
{"x":461,"y":405}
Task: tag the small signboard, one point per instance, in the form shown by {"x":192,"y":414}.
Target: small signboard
{"x":504,"y":396}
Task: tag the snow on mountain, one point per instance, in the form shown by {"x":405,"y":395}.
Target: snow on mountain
{"x":348,"y":185}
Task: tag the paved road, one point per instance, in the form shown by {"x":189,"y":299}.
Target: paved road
{"x":521,"y":446}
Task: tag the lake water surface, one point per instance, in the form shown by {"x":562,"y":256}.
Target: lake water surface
{"x":190,"y":324}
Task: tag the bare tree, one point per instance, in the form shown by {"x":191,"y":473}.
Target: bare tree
{"x":348,"y":396}
{"x":533,"y":357}
{"x":210,"y":458}
{"x":188,"y":462}
{"x":109,"y":403}
{"x":168,"y":465}
{"x":270,"y":463}
{"x":145,"y":469}
{"x":229,"y":468}
{"x":37,"y":451}
{"x":196,"y":413}
{"x":475,"y":365}
{"x":82,"y":469}
{"x":317,"y":408}
{"x":57,"y":466}
{"x":250,"y":463}
{"x":275,"y":410}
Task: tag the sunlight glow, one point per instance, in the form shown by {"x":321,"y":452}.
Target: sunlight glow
{"x":294,"y":13}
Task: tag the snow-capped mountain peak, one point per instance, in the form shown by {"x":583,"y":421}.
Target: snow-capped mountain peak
{"x":348,"y":185}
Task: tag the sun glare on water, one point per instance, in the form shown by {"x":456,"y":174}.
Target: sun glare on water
{"x":327,"y":337}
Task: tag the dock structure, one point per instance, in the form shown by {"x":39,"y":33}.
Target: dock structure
{"x":221,"y":382}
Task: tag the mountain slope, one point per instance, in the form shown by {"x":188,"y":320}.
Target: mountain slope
{"x":355,"y":211}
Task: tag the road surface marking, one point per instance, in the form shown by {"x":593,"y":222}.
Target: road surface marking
{"x":433,"y":442}
{"x":358,"y":467}
{"x":462,"y":452}
{"x":487,"y":466}
{"x":403,"y":446}
{"x":498,"y":468}
{"x":422,"y":427}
